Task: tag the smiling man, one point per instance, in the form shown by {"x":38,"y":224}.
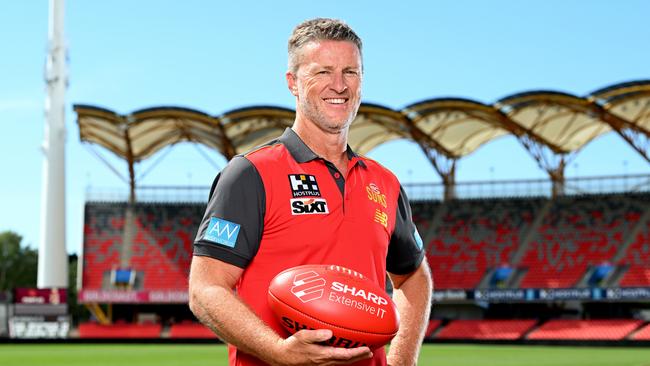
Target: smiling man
{"x":327,"y":86}
{"x":307,"y":198}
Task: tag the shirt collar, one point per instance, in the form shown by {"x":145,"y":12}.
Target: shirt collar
{"x":302,"y":153}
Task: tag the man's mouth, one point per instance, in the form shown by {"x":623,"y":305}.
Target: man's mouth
{"x":335,"y":100}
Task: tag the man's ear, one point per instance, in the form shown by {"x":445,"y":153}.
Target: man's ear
{"x":292,"y":83}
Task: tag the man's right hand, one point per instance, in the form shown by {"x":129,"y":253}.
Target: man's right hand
{"x":305,"y":348}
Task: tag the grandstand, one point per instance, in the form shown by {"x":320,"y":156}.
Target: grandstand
{"x":553,"y":249}
{"x":546,"y":243}
{"x":159,"y":255}
{"x":137,"y":279}
{"x":539,"y":254}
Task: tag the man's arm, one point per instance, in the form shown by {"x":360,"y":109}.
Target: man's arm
{"x":215,"y":304}
{"x":412,"y":295}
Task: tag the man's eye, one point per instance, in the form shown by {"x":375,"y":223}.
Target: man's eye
{"x":323,"y":72}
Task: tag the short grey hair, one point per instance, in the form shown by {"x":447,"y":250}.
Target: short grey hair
{"x":319,"y":29}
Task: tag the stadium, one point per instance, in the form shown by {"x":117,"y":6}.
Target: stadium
{"x":547,"y":262}
{"x":575,"y":255}
{"x":552,"y":271}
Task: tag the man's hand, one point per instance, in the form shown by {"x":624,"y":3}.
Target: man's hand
{"x":305,"y":348}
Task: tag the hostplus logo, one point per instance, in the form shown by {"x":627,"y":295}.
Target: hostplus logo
{"x":304,"y":185}
{"x":308,"y":286}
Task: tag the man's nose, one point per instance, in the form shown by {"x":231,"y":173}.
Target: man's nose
{"x":338,"y":83}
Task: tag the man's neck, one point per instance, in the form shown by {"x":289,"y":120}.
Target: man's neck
{"x":329,"y":146}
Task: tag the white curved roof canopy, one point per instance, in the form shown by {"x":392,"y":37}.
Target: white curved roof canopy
{"x":455,"y":127}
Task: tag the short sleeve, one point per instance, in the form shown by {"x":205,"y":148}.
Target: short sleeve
{"x":405,"y":251}
{"x":231,"y":229}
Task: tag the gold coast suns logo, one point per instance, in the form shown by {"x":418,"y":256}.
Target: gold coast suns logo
{"x":375,"y":195}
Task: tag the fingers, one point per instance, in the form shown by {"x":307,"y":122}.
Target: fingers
{"x":349,"y":355}
{"x":313,"y":336}
{"x":306,"y":348}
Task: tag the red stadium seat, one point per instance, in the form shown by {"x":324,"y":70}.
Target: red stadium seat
{"x":94,"y":330}
{"x":642,"y":334}
{"x":576,"y":233}
{"x":637,"y":259}
{"x":474,"y":236}
{"x":431,"y":327}
{"x":562,"y":329}
{"x":190,"y":330}
{"x":486,"y":329}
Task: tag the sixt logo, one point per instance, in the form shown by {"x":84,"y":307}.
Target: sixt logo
{"x":222,"y":232}
{"x":375,"y":195}
{"x":304,"y":185}
{"x":308,"y":206}
{"x":308,"y":286}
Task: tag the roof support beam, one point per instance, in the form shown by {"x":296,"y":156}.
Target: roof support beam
{"x":228,"y":149}
{"x":129,"y":215}
{"x":554,"y":164}
{"x":635,"y":135}
{"x":441,"y":159}
{"x":446,"y":168}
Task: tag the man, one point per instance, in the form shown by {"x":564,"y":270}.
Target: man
{"x":306,"y":198}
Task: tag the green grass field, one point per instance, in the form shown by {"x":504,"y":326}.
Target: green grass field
{"x":188,"y":355}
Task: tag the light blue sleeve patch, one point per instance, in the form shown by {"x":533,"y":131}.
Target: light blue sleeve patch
{"x":418,"y":239}
{"x":222,"y":232}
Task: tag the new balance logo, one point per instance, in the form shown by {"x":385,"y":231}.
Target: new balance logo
{"x":222,"y":232}
{"x":308,"y":286}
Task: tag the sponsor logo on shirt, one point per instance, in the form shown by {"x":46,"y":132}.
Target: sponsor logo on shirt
{"x":375,"y":195}
{"x":308,"y":206}
{"x":381,"y":218}
{"x":304,"y":185}
{"x":221,"y":231}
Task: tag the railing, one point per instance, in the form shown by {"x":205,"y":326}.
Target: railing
{"x":415,"y":191}
{"x":531,"y":187}
{"x":150,"y":194}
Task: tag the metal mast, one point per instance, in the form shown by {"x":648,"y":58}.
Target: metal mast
{"x":52,"y":255}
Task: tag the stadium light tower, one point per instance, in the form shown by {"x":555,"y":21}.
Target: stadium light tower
{"x":52,"y":255}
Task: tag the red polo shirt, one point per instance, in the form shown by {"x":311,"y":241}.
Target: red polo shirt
{"x":281,"y":206}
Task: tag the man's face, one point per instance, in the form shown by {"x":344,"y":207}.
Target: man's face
{"x":327,"y":84}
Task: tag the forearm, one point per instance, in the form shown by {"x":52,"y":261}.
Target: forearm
{"x":413,"y":300}
{"x":229,"y":318}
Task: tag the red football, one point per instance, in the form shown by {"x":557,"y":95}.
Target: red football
{"x":323,"y":296}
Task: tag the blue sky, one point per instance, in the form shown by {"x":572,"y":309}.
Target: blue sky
{"x":216,"y":56}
